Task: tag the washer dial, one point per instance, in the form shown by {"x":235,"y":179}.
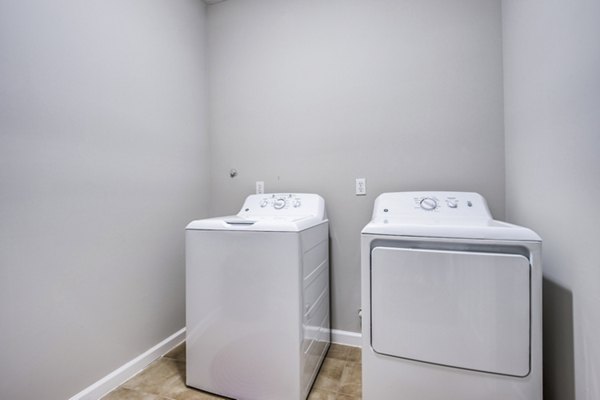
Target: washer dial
{"x":278,"y":204}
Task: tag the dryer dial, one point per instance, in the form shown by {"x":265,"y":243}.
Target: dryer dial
{"x":429,"y":204}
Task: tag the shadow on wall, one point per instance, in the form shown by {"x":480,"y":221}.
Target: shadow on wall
{"x":559,"y":359}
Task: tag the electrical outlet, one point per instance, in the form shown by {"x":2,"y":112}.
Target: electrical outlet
{"x":361,"y":186}
{"x":260,"y":187}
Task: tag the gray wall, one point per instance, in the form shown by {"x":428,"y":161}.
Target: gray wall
{"x":552,"y":106}
{"x":309,"y":95}
{"x":103,"y":161}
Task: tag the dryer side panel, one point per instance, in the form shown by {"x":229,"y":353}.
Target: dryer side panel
{"x":459,"y":309}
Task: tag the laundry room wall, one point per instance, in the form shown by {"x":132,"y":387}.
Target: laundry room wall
{"x":103,"y":161}
{"x":309,"y":95}
{"x":552,"y":99}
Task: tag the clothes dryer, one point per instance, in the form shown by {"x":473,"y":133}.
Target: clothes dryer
{"x":257,"y":298}
{"x":451,"y":301}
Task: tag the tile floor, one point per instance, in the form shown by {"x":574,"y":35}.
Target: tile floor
{"x":164,"y":379}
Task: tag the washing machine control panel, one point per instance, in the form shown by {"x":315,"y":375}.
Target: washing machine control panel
{"x":280,"y":201}
{"x":439,"y":204}
{"x":277,"y":204}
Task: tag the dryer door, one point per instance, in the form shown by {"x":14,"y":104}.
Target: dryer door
{"x":460,"y":309}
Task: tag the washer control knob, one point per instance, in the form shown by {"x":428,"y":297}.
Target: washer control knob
{"x":279,"y":204}
{"x":452,"y":203}
{"x":297,"y":203}
{"x":264,"y":203}
{"x":428,"y":204}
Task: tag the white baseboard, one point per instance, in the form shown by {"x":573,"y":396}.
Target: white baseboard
{"x":123,"y":373}
{"x":347,"y":338}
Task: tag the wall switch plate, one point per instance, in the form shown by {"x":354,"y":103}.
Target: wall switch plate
{"x":361,"y":186}
{"x":260,"y":187}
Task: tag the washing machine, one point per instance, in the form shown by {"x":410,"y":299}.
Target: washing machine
{"x":257,"y":298}
{"x":451,"y":301}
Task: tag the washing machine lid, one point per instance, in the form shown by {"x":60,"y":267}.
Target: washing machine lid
{"x":441,"y":214}
{"x":276,"y":212}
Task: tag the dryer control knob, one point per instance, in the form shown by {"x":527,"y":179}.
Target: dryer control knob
{"x":279,"y":204}
{"x":297,"y":203}
{"x":264,"y":203}
{"x":428,"y":204}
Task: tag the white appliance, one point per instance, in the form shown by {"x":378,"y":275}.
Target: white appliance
{"x":451,"y":301}
{"x":257,"y":298}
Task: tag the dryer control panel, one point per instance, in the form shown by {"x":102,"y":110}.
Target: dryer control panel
{"x":438,"y":204}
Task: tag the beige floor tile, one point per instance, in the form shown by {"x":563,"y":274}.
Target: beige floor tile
{"x":332,"y":367}
{"x":193,"y":394}
{"x":330,"y":375}
{"x":320,"y":394}
{"x":354,"y":354}
{"x":351,"y":380}
{"x":326,"y":383}
{"x":352,"y":373}
{"x":122,"y":393}
{"x":178,"y":353}
{"x":337,"y":351}
{"x":176,"y":389}
{"x":154,"y":378}
{"x":344,"y":397}
{"x":351,"y":389}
